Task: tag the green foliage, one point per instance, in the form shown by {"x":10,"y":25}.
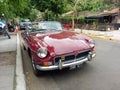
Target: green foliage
{"x":33,"y":14}
{"x":52,"y":9}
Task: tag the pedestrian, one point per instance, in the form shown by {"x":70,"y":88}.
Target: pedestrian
{"x":3,"y":29}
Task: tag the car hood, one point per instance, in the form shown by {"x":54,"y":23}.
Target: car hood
{"x":62,"y":42}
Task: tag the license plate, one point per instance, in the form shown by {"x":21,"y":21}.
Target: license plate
{"x":72,"y":67}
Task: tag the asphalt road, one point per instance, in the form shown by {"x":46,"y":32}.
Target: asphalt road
{"x":103,"y":73}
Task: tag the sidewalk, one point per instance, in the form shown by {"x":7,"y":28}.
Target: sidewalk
{"x":7,"y":62}
{"x":109,"y":35}
{"x":11,"y":68}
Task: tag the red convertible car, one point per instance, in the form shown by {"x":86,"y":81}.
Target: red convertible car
{"x":50,"y":47}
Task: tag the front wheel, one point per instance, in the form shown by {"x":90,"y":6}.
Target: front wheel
{"x":35,"y":70}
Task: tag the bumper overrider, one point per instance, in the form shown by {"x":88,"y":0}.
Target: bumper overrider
{"x":64,"y":65}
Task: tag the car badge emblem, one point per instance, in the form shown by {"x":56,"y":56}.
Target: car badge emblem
{"x":76,"y":53}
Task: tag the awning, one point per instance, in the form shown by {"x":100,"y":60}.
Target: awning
{"x":100,"y":16}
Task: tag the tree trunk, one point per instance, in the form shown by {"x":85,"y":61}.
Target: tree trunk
{"x":73,"y":22}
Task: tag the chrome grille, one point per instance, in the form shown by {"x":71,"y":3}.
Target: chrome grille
{"x":70,"y":57}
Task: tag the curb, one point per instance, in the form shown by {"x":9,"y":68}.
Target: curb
{"x":20,"y":77}
{"x":97,"y":35}
{"x":101,"y":37}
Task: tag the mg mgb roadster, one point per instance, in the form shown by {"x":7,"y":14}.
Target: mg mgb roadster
{"x":50,"y":47}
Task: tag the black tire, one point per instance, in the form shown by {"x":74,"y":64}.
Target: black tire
{"x":35,"y":70}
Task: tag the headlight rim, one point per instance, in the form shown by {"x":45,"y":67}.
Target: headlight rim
{"x":42,"y":52}
{"x":92,"y":43}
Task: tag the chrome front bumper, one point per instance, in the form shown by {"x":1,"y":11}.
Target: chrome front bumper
{"x":63,"y":65}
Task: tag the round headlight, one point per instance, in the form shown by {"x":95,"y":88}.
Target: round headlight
{"x":42,"y":52}
{"x":92,"y":42}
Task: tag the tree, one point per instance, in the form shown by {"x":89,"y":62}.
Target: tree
{"x":52,"y":9}
{"x":56,"y":7}
{"x":14,"y":8}
{"x":34,"y":13}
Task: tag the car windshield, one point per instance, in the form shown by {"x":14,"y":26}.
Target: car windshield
{"x":47,"y":25}
{"x":50,"y":25}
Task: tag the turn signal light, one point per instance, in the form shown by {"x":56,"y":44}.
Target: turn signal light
{"x":47,"y":63}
